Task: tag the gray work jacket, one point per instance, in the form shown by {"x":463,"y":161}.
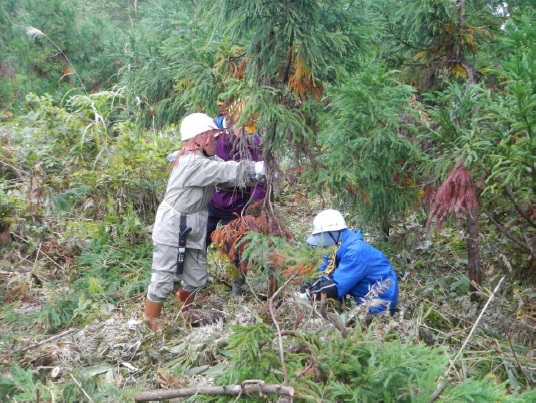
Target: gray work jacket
{"x":188,"y":192}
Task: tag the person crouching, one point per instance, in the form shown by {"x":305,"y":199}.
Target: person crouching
{"x":353,"y":267}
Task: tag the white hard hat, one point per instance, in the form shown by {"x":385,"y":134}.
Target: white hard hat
{"x":325,"y":222}
{"x":196,"y":123}
{"x":328,"y":220}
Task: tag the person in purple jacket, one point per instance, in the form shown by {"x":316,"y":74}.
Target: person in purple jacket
{"x":228,"y":204}
{"x":353,"y":267}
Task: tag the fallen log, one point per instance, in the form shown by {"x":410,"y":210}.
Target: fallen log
{"x":247,"y":387}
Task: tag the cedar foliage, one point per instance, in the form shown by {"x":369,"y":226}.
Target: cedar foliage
{"x":74,"y":257}
{"x":371,"y":125}
{"x":231,"y":241}
{"x":434,"y":42}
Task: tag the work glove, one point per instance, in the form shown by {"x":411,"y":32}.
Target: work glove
{"x":303,"y":293}
{"x":259,"y":170}
{"x":306,"y":286}
{"x":324,"y":286}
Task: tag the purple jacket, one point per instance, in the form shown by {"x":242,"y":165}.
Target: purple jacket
{"x":234,"y":200}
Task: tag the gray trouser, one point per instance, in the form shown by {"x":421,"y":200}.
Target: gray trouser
{"x":195,"y":273}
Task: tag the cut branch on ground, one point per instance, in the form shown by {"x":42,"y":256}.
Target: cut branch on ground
{"x":245,"y":388}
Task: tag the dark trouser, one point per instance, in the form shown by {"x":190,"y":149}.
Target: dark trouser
{"x":217,"y":216}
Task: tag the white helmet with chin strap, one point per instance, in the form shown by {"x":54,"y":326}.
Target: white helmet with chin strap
{"x":196,"y":123}
{"x":325,"y":224}
{"x":328,"y":220}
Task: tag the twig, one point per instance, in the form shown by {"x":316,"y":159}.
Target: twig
{"x":505,"y":232}
{"x":290,"y":333}
{"x":529,"y":378}
{"x":333,"y":319}
{"x":279,"y":336}
{"x":307,"y":369}
{"x":323,"y":305}
{"x":245,"y":387}
{"x":39,"y":251}
{"x":443,"y":383}
{"x":81,"y":388}
{"x":19,"y":171}
{"x":253,"y":291}
{"x":57,"y":336}
{"x":518,"y":208}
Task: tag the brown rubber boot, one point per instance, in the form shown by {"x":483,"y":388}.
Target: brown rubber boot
{"x":186,"y":297}
{"x":152,"y":313}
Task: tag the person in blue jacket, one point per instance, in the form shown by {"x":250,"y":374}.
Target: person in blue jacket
{"x":353,"y":267}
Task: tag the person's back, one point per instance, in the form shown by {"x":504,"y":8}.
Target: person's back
{"x":231,"y":147}
{"x":362,"y":269}
{"x":227,"y":204}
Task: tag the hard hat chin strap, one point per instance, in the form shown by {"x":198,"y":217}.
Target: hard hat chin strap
{"x":338,"y":240}
{"x":332,"y":259}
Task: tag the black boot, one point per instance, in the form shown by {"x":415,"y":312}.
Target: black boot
{"x":239,"y":282}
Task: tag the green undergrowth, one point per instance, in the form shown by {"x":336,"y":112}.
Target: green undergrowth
{"x":78,"y":258}
{"x":398,"y":360}
{"x":322,"y":366}
{"x":114,"y":272}
{"x":24,"y":385}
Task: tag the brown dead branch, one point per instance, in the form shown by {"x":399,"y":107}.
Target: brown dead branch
{"x":246,"y":387}
{"x":456,"y":195}
{"x":35,"y":345}
{"x":229,"y":239}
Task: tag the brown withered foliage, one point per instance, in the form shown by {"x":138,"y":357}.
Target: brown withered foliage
{"x":456,"y":195}
{"x":227,"y":238}
{"x":291,"y":266}
{"x":302,"y":83}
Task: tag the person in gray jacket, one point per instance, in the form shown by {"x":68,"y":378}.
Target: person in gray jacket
{"x":196,"y":172}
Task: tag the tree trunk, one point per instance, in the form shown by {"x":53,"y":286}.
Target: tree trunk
{"x":473,"y":253}
{"x":385,"y":229}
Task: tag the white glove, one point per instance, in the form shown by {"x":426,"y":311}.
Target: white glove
{"x":171,"y":157}
{"x":303,"y":295}
{"x":259,"y":170}
{"x":303,"y":298}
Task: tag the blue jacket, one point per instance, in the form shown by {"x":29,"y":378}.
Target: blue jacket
{"x":359,"y":266}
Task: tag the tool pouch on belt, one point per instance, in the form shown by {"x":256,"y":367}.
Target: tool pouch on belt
{"x":184,"y":230}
